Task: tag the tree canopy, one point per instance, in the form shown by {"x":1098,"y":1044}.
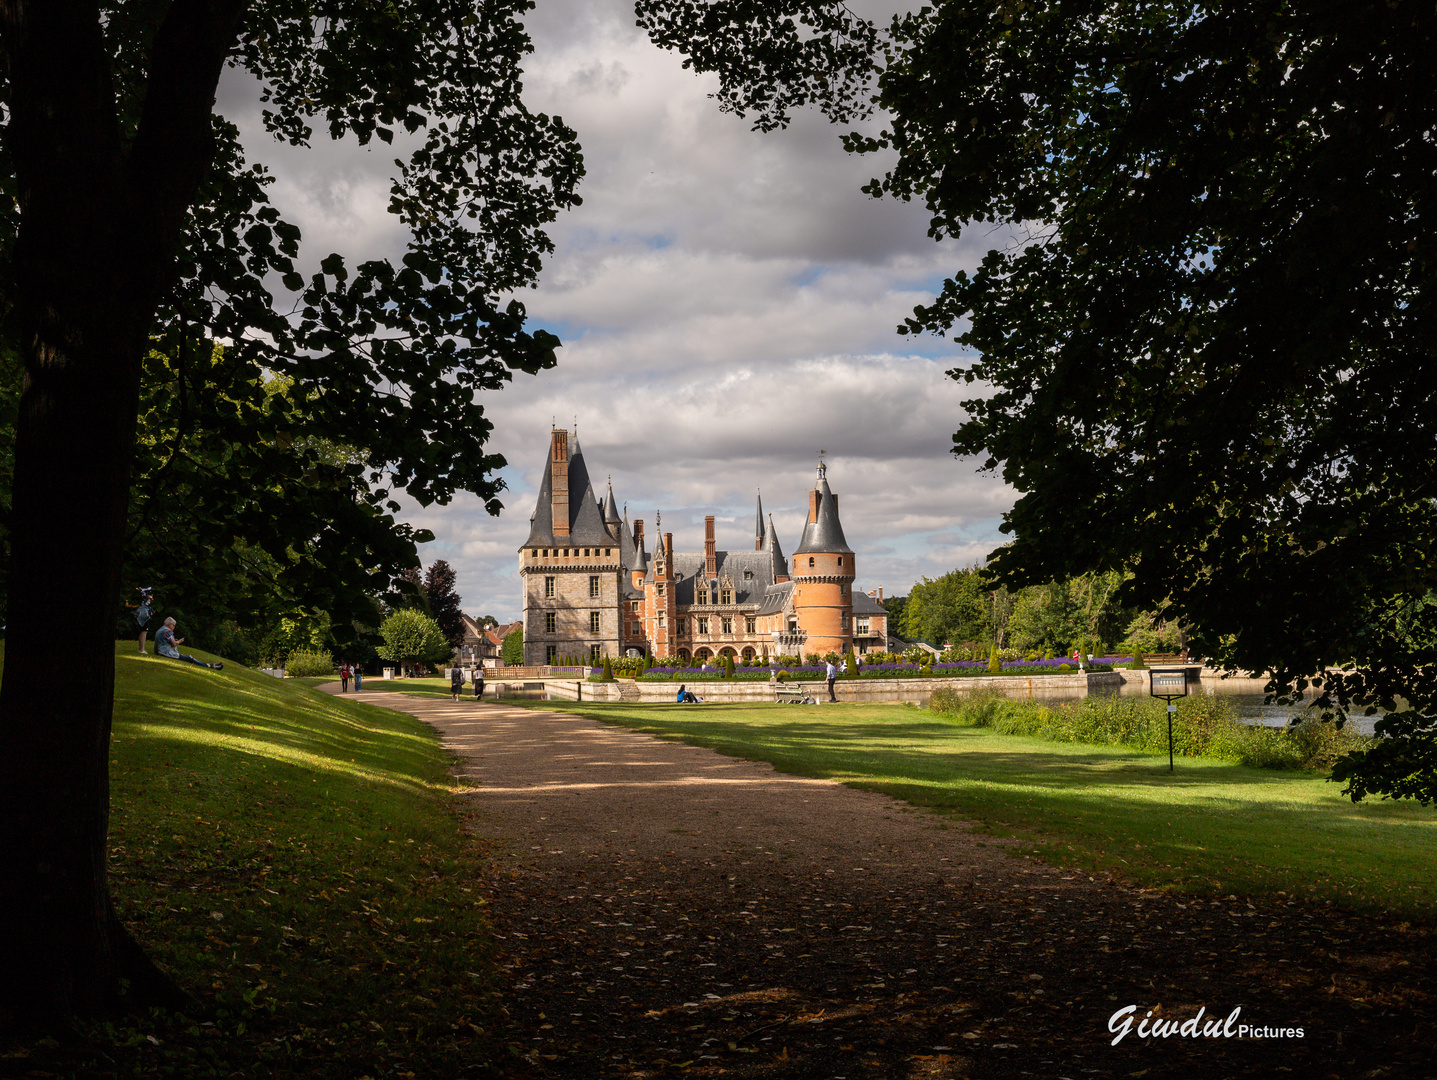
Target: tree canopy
{"x":411,"y":636}
{"x":1207,"y":337}
{"x":136,"y":227}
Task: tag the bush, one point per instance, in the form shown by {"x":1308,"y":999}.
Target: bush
{"x":608,"y":675}
{"x":1202,"y":727}
{"x":308,"y":662}
{"x":1136,"y":664}
{"x":994,"y":664}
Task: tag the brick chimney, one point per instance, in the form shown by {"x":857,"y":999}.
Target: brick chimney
{"x":710,"y":555}
{"x":559,"y":474}
{"x":813,"y":505}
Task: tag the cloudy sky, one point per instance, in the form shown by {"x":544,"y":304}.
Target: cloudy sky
{"x":727,"y":302}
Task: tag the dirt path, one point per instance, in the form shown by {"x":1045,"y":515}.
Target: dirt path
{"x":665,"y":910}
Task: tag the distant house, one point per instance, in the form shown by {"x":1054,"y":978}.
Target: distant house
{"x":481,"y":645}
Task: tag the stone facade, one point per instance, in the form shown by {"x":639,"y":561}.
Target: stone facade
{"x":591,"y":589}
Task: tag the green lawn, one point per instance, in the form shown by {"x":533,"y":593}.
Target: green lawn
{"x":294,"y":860}
{"x":1210,"y":827}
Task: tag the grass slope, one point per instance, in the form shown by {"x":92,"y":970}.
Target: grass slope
{"x":294,"y":860}
{"x":1211,"y":827}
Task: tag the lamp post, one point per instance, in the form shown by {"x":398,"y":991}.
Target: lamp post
{"x":1168,"y":684}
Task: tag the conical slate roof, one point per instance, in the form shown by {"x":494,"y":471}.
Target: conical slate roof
{"x":758,"y":530}
{"x":611,"y":509}
{"x":770,"y":544}
{"x":826,"y":534}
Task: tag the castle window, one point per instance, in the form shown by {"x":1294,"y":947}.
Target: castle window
{"x":634,"y":605}
{"x":728,"y":624}
{"x":703,"y":624}
{"x":594,"y":653}
{"x":608,"y":551}
{"x":845,"y":623}
{"x":840,"y":560}
{"x":842,"y":589}
{"x":593,"y":622}
{"x":863,"y":626}
{"x":534,"y":553}
{"x":550,"y":622}
{"x":748,"y":624}
{"x":548,"y":587}
{"x":703,"y":596}
{"x":593,"y":584}
{"x":810,"y":560}
{"x":682,"y":626}
{"x":727,"y":596}
{"x":661,"y":589}
{"x":661,"y":620}
{"x":551,"y":653}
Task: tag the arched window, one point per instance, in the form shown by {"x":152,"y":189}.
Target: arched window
{"x":810,"y":560}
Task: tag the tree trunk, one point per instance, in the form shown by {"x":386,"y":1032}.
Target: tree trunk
{"x":99,"y":226}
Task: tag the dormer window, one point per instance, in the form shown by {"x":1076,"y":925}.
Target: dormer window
{"x":703,"y":596}
{"x":727,"y":597}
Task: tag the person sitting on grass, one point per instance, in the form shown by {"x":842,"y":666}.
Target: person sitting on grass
{"x":686,"y":697}
{"x":166,"y":644}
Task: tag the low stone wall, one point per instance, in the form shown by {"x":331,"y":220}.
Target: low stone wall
{"x":914,"y":691}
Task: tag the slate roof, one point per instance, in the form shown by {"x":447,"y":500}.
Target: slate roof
{"x":826,"y":534}
{"x":758,"y":530}
{"x":586,"y":522}
{"x":774,"y":597}
{"x":863,"y":604}
{"x":770,"y":544}
{"x":689,"y":573}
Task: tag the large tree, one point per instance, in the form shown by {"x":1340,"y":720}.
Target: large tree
{"x":444,"y":602}
{"x":1209,"y":333}
{"x":134,"y":218}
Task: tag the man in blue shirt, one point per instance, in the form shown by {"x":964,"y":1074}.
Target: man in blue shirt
{"x":830,"y":673}
{"x":166,"y":644}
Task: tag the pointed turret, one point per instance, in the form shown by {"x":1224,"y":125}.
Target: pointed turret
{"x":770,"y":545}
{"x":611,"y":509}
{"x":824,"y":532}
{"x":758,"y":525}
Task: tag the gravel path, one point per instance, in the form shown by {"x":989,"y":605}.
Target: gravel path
{"x":666,"y":910}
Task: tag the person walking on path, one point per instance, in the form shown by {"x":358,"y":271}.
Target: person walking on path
{"x":166,"y":644}
{"x":358,"y":678}
{"x":830,"y":673}
{"x":456,"y":681}
{"x":476,"y":676}
{"x":344,"y":678}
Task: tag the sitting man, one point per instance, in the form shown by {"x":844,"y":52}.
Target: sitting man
{"x":166,"y":644}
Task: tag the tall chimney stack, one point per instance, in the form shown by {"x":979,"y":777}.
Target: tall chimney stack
{"x":710,"y":555}
{"x":559,"y":474}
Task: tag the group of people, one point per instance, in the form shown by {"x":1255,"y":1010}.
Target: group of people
{"x":345,"y":673}
{"x":456,"y":681}
{"x":166,"y":644}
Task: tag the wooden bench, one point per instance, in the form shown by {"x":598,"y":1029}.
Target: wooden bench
{"x":791,"y":694}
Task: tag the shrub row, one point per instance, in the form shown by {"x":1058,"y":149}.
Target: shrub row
{"x":1204,"y":726}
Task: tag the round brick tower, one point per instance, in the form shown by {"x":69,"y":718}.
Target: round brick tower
{"x":823,"y":570}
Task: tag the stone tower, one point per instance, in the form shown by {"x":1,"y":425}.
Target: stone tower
{"x":823,"y":571}
{"x":571,"y":563}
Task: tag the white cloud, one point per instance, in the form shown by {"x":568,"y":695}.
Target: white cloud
{"x":727,"y":302}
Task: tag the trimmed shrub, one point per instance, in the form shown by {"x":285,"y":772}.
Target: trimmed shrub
{"x":994,"y":664}
{"x":309,"y":662}
{"x":1137,"y":663}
